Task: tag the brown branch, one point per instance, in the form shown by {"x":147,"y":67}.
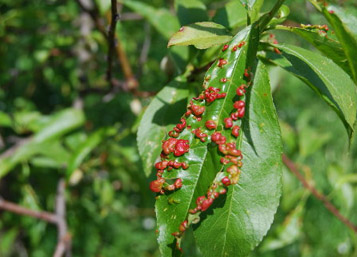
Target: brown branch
{"x":58,"y":218}
{"x":111,"y":40}
{"x":15,"y":208}
{"x":64,"y":238}
{"x":319,"y":196}
{"x":131,"y":81}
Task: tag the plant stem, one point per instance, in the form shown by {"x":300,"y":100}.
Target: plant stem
{"x":268,"y":16}
{"x":319,"y":196}
{"x":111,"y":41}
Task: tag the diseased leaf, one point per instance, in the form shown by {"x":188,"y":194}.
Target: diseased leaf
{"x":232,"y":15}
{"x":326,"y":45}
{"x":190,"y":11}
{"x":238,"y":222}
{"x":202,"y":35}
{"x":204,"y":158}
{"x":161,"y":115}
{"x":324,"y":77}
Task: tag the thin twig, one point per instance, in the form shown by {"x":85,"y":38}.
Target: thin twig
{"x":58,"y":218}
{"x":145,"y":49}
{"x":64,"y":238}
{"x":15,"y":208}
{"x":131,"y":81}
{"x":319,"y":196}
{"x":111,"y":40}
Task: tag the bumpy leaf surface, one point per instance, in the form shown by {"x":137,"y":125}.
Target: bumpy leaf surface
{"x":238,"y":222}
{"x":204,"y":163}
{"x":163,"y":112}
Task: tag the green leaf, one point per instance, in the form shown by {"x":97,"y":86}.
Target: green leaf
{"x":161,"y":115}
{"x":280,"y":16}
{"x":190,"y":11}
{"x":204,"y":160}
{"x":326,"y":45}
{"x":166,"y":24}
{"x":5,"y":120}
{"x":253,"y":7}
{"x":200,"y":34}
{"x":344,"y":25}
{"x":327,"y":79}
{"x":232,"y":15}
{"x":84,"y":150}
{"x":60,"y":124}
{"x":241,"y":220}
{"x":162,"y":19}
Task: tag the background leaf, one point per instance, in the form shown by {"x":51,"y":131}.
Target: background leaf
{"x":344,"y":25}
{"x":202,"y":35}
{"x":231,"y":15}
{"x":326,"y":78}
{"x":328,"y":46}
{"x":60,"y":124}
{"x":190,"y":11}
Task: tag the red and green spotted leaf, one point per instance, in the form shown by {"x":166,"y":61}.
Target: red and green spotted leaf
{"x":202,"y":160}
{"x":238,"y":222}
{"x":159,"y":117}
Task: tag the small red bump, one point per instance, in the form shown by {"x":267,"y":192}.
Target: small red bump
{"x":234,"y":116}
{"x":200,"y":199}
{"x":226,"y":181}
{"x":235,"y":48}
{"x":178,"y":183}
{"x":223,"y":80}
{"x":156,"y":185}
{"x":241,"y":90}
{"x":184,"y":165}
{"x":228,"y":122}
{"x":206,"y":204}
{"x":216,"y":136}
{"x":177,"y":165}
{"x":181,"y":147}
{"x":246,"y":73}
{"x":210,"y":124}
{"x":241,"y":44}
{"x":241,"y":112}
{"x":225,"y":47}
{"x":182,"y":29}
{"x":221,"y":63}
{"x":235,"y":131}
{"x":239,"y":104}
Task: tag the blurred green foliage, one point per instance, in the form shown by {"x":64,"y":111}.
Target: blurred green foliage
{"x":52,"y":73}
